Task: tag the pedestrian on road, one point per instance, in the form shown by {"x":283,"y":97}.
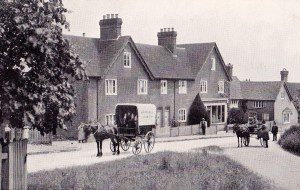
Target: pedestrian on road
{"x":203,"y":125}
{"x":264,"y":134}
{"x":274,"y":131}
{"x":81,"y":133}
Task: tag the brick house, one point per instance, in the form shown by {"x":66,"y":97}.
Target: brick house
{"x":168,"y":75}
{"x":269,"y":100}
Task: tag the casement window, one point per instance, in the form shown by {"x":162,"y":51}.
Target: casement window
{"x":163,"y":87}
{"x":127,"y":59}
{"x":282,"y":95}
{"x":142,"y":85}
{"x":109,"y":119}
{"x":110,"y":86}
{"x":182,"y":87}
{"x":234,"y":103}
{"x":258,"y":104}
{"x":266,"y":116}
{"x":182,"y":115}
{"x":286,"y":117}
{"x":203,"y":86}
{"x":221,"y":87}
{"x":213,"y":64}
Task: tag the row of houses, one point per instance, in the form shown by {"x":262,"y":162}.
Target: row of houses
{"x":168,"y":75}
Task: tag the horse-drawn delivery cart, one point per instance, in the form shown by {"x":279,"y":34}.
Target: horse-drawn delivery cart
{"x":135,"y":123}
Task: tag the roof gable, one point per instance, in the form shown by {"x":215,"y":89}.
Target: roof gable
{"x":294,"y":89}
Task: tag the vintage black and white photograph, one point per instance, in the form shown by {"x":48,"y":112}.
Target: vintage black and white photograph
{"x":149,"y":94}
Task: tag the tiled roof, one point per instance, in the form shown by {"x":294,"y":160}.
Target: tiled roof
{"x":197,"y":54}
{"x":160,"y":62}
{"x":163,"y":64}
{"x":294,"y":89}
{"x":252,"y":90}
{"x":97,"y":53}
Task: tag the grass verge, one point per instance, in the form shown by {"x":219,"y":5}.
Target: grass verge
{"x":163,"y":170}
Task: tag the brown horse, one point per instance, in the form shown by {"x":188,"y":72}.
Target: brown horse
{"x":242,"y":133}
{"x":101,"y":133}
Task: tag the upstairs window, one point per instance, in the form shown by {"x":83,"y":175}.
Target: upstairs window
{"x":234,"y":103}
{"x":258,"y":104}
{"x":110,"y":119}
{"x":182,"y":115}
{"x":213,"y":64}
{"x":182,"y":87}
{"x":203,"y":86}
{"x":110,"y":86}
{"x":221,"y":86}
{"x":127,"y":59}
{"x":142,"y":86}
{"x":163,"y":87}
{"x":282,"y":94}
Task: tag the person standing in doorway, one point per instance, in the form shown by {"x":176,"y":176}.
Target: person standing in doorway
{"x":203,"y":125}
{"x":274,"y":131}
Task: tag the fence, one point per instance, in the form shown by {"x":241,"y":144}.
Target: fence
{"x":35,"y":137}
{"x":13,"y":173}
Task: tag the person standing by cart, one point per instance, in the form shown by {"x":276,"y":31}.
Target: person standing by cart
{"x":274,"y":131}
{"x":264,"y":134}
{"x":203,"y":125}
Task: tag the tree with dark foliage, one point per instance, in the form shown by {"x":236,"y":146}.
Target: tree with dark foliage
{"x":37,"y":65}
{"x":197,"y":112}
{"x":236,"y":116}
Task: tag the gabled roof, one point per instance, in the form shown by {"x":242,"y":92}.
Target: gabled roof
{"x":252,"y":90}
{"x":157,"y":60}
{"x":294,"y":89}
{"x":97,"y":53}
{"x":163,"y":64}
{"x":198,"y":53}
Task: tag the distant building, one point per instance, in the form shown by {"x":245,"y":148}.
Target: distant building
{"x":169,"y":75}
{"x":269,"y":100}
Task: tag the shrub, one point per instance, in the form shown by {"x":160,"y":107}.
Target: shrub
{"x":290,"y":139}
{"x":236,"y":116}
{"x":197,"y":112}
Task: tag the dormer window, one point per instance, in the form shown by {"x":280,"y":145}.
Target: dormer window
{"x":127,"y":59}
{"x":213,"y":64}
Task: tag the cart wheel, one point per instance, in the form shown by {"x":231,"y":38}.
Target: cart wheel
{"x":125,"y":144}
{"x":149,"y":141}
{"x":137,"y":147}
{"x":246,"y":141}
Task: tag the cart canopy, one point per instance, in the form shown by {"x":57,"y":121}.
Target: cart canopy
{"x":146,"y":112}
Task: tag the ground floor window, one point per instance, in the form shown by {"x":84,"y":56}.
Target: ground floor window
{"x":182,"y":115}
{"x":266,"y":116}
{"x":217,"y":113}
{"x":110,"y":119}
{"x":286,"y":117}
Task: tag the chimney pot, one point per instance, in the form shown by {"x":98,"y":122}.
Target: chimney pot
{"x":161,"y":30}
{"x":116,"y":15}
{"x":167,"y":39}
{"x":112,"y":15}
{"x":83,"y":34}
{"x":110,"y":27}
{"x":108,"y":16}
{"x":104,"y":17}
{"x":284,"y":75}
{"x":172,"y":29}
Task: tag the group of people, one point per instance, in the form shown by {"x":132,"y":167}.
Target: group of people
{"x":264,"y":133}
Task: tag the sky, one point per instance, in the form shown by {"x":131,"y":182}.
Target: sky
{"x":259,"y":37}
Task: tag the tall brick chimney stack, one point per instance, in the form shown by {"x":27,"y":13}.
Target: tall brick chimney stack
{"x":284,"y":75}
{"x":167,"y":38}
{"x":110,"y":27}
{"x":229,"y":68}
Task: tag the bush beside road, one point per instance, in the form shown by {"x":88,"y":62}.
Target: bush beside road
{"x":290,"y":140}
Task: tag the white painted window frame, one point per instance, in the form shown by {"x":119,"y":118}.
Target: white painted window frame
{"x":164,"y":88}
{"x":289,"y":117}
{"x":127,"y":59}
{"x":213,"y":63}
{"x":182,"y":88}
{"x":221,"y":87}
{"x":111,"y":90}
{"x":143,"y":82}
{"x":203,"y":86}
{"x":258,"y":104}
{"x":182,"y":115}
